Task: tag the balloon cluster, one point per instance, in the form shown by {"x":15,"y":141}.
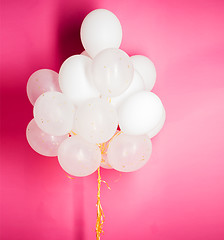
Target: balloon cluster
{"x":99,"y":109}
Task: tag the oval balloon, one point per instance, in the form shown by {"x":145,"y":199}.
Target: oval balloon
{"x":42,"y":81}
{"x":158,"y":127}
{"x":75,"y":79}
{"x":112,"y":72}
{"x":128,"y":153}
{"x":79,"y":157}
{"x":140,"y":113}
{"x":146,"y":69}
{"x":136,"y":85}
{"x":100,"y":29}
{"x":41,"y":142}
{"x":54,"y":113}
{"x":96,"y":120}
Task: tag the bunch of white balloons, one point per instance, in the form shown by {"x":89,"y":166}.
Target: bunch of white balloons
{"x":77,"y":113}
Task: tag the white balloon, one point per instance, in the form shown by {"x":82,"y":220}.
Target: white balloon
{"x":136,"y":85}
{"x":100,"y":29}
{"x":146,"y":69}
{"x":54,"y":113}
{"x":128,"y":153}
{"x":42,"y":81}
{"x":96,"y":120}
{"x":79,"y":157}
{"x":158,"y":127}
{"x":42,"y":142}
{"x":112,"y":72}
{"x":140,"y":113}
{"x":75,"y":79}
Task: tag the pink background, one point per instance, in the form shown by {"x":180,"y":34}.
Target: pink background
{"x":179,"y":194}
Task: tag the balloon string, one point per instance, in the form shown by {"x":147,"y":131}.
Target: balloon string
{"x":73,"y":133}
{"x":100,"y":214}
{"x":102,"y":148}
{"x":106,"y":184}
{"x":115,"y":135}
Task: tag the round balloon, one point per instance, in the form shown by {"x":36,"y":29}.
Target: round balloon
{"x":146,"y":69}
{"x":75,"y":79}
{"x":158,"y":127}
{"x":54,"y":113}
{"x":112,"y":72}
{"x":140,"y":113}
{"x":79,"y":157}
{"x":96,"y":120}
{"x":100,"y":29}
{"x":128,"y":153}
{"x":41,"y":81}
{"x":42,"y":142}
{"x":137,"y":85}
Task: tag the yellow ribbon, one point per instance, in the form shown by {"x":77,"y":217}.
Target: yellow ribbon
{"x":100,"y":214}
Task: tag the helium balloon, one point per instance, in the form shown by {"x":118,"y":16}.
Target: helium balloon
{"x":128,"y":153}
{"x":100,"y":29}
{"x":53,"y":113}
{"x":75,"y":79}
{"x":96,"y":93}
{"x":140,"y":113}
{"x":96,"y":120}
{"x":146,"y":69}
{"x":112,"y":72}
{"x":158,"y":127}
{"x":42,"y":81}
{"x":137,"y":85}
{"x":79,"y":157}
{"x":42,"y":142}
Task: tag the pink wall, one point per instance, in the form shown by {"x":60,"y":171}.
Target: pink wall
{"x":179,"y":194}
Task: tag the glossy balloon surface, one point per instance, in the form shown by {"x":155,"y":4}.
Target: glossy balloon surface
{"x":54,"y":113}
{"x":96,"y":120}
{"x":128,"y":153}
{"x":79,"y":157}
{"x":112,"y":72}
{"x":75,"y":79}
{"x":146,"y":69}
{"x":42,"y":81}
{"x":136,"y":85}
{"x":100,"y":29}
{"x":140,"y":113}
{"x":42,"y":142}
